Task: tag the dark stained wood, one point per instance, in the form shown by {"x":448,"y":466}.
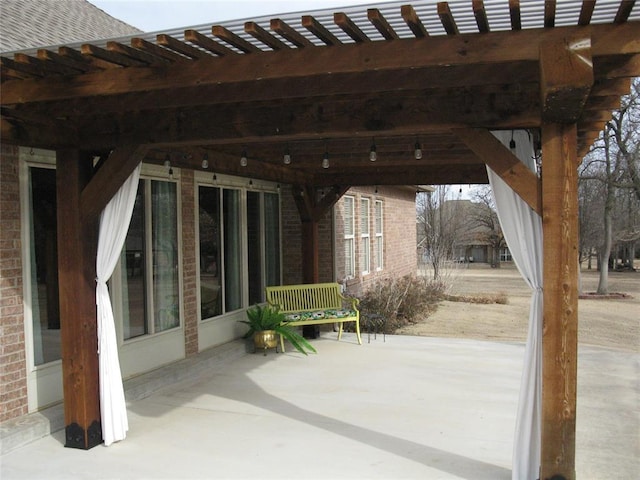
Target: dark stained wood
{"x":141,"y":56}
{"x":349,"y":27}
{"x":311,"y":211}
{"x":566,"y":78}
{"x":109,"y":178}
{"x":510,"y":169}
{"x":514,"y":13}
{"x":20,"y":69}
{"x":310,"y":252}
{"x":47,"y":67}
{"x":560,"y":311}
{"x":80,"y":66}
{"x":109,"y":56}
{"x":96,"y":63}
{"x":382,"y":25}
{"x":77,"y":244}
{"x":481,"y":16}
{"x":444,"y":54}
{"x":586,"y":12}
{"x":285,"y":31}
{"x":549,"y":13}
{"x":412,"y":20}
{"x":446,"y":17}
{"x":207,"y":43}
{"x":232,"y":39}
{"x":624,"y":11}
{"x":259,"y":33}
{"x":181,"y":47}
{"x":153,"y":49}
{"x":319,"y":30}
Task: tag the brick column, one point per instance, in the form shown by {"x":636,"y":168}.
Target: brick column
{"x":189,"y":271}
{"x":13,"y":369}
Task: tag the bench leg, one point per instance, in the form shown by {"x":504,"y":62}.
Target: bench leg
{"x":281,"y":343}
{"x":358,"y":332}
{"x":340,"y":330}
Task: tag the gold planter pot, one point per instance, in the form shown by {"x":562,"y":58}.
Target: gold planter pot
{"x":265,"y":339}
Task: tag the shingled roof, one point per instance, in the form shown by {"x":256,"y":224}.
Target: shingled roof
{"x":35,"y":23}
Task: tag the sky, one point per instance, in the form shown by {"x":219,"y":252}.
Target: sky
{"x":155,"y":15}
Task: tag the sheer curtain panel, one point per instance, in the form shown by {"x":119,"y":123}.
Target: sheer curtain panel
{"x":114,"y":223}
{"x":522,"y":228}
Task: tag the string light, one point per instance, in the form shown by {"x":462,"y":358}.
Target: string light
{"x":243,"y":159}
{"x":325,"y":160}
{"x":417,"y":150}
{"x":286,"y":158}
{"x":205,"y":161}
{"x":512,"y":143}
{"x":373,"y":154}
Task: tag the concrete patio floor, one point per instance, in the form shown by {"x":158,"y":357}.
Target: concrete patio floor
{"x":407,"y":407}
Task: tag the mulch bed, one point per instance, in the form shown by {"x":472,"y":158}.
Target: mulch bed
{"x":608,"y":296}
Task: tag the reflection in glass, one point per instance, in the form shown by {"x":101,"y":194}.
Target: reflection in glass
{"x":209,"y":227}
{"x":45,"y":310}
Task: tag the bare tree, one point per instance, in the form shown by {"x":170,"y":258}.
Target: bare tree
{"x":485,"y":218}
{"x":437,"y":229}
{"x":611,"y":170}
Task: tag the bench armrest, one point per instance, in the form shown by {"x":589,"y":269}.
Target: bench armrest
{"x":353,"y":300}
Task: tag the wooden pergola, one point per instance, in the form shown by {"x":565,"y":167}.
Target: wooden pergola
{"x":332,"y":85}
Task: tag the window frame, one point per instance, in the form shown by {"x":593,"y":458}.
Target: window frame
{"x":379,"y":234}
{"x":365,"y":235}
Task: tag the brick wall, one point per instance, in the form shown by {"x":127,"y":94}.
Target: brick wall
{"x":399,"y":235}
{"x":399,"y":220}
{"x":13,"y":370}
{"x":189,"y":271}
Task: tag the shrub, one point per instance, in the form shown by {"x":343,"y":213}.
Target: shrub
{"x":402,"y":300}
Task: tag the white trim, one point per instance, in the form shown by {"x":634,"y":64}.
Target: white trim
{"x":44,"y":382}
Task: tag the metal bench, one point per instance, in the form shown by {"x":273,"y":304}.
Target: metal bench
{"x":315,"y":304}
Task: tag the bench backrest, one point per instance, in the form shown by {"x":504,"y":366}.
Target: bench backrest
{"x":298,"y":298}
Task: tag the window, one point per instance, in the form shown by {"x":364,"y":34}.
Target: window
{"x":150,"y":286}
{"x":220,"y":250}
{"x":349,"y":237}
{"x":365,"y":238}
{"x":263,"y":243}
{"x":505,"y":255}
{"x":43,"y":259}
{"x":379,"y":253}
{"x":210,"y":260}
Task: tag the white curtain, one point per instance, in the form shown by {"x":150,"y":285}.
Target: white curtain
{"x":522,"y":228}
{"x":114,"y":223}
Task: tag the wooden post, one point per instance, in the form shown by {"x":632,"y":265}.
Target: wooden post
{"x":77,"y":245}
{"x":310,"y":251}
{"x":560,"y":276}
{"x":311,"y":211}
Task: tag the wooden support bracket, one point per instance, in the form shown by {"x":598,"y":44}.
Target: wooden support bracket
{"x":515,"y":173}
{"x":109,"y":178}
{"x":311,"y":210}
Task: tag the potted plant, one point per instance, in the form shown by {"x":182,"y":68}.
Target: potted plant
{"x":266,"y":323}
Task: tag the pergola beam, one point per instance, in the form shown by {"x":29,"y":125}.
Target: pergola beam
{"x":496,"y":49}
{"x":566,"y":72}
